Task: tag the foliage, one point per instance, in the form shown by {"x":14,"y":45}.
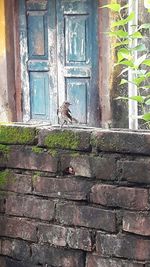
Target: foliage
{"x":125,"y":55}
{"x":147,"y":4}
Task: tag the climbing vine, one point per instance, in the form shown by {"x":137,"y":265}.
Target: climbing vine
{"x":125,"y":56}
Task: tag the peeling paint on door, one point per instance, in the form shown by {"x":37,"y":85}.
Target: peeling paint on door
{"x":57,"y":44}
{"x":77,"y":58}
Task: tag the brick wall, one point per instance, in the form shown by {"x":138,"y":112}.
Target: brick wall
{"x":74,"y":198}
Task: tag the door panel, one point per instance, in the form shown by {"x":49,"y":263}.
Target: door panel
{"x":37,"y":35}
{"x":39,"y":84}
{"x":38,"y":67}
{"x":38,"y":63}
{"x":77,"y":91}
{"x":75,"y":60}
{"x":75,"y":39}
{"x":34,"y":5}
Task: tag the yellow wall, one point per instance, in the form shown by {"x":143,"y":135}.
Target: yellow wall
{"x":2,"y":29}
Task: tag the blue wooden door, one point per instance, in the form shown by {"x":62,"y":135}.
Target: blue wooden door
{"x":58,"y":41}
{"x":77,"y":57}
{"x":38,"y":57}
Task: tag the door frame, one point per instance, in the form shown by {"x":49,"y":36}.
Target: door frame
{"x":104,"y":73}
{"x":23,"y":63}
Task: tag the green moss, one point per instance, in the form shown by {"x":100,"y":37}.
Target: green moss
{"x":35,"y":176}
{"x":37,"y":150}
{"x":37,"y":173}
{"x":64,"y":140}
{"x":94,"y":141}
{"x":4,"y":149}
{"x":3,"y":177}
{"x":53,"y":152}
{"x":75,"y":154}
{"x":16,"y":135}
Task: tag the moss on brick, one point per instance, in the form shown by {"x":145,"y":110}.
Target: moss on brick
{"x":16,"y":135}
{"x":37,"y":150}
{"x":63,"y":140}
{"x":53,"y":152}
{"x":75,"y":154}
{"x":4,"y":149}
{"x":4,"y":177}
{"x":96,"y":141}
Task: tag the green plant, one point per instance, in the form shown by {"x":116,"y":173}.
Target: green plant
{"x":147,"y":4}
{"x":125,"y":56}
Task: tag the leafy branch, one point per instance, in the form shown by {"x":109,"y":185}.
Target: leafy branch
{"x":125,"y":55}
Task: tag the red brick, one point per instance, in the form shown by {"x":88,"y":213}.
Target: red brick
{"x":8,"y":262}
{"x":30,"y":207}
{"x":137,"y":171}
{"x":68,"y":188}
{"x":52,"y":234}
{"x":2,"y":160}
{"x":97,"y":261}
{"x":82,"y":164}
{"x":61,"y":236}
{"x":104,"y":167}
{"x":90,"y":166}
{"x":2,"y":262}
{"x":17,"y":249}
{"x":79,"y":239}
{"x":124,"y":246}
{"x":137,"y":223}
{"x":16,"y":182}
{"x":18,"y":228}
{"x":24,"y":158}
{"x":124,"y":197}
{"x":121,"y":141}
{"x":90,"y":217}
{"x":2,"y":202}
{"x":46,"y":254}
{"x":70,"y":139}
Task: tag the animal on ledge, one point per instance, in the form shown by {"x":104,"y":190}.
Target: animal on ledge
{"x":64,"y":114}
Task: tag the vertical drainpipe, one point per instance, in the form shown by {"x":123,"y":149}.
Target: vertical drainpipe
{"x":132,"y":89}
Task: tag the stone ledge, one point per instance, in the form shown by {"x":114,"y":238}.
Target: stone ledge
{"x":66,"y":138}
{"x":77,"y":139}
{"x":121,"y":141}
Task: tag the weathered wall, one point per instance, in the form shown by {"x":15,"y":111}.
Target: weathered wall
{"x":7,"y":76}
{"x":3,"y":67}
{"x":74,"y":198}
